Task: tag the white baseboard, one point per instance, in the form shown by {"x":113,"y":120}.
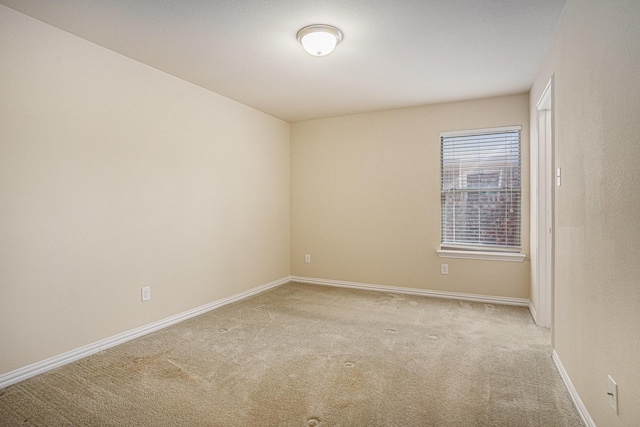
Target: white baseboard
{"x":582,"y":410}
{"x":533,"y":312}
{"x":414,"y":291}
{"x":79,"y":353}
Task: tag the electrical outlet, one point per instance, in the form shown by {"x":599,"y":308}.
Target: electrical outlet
{"x":307,"y":258}
{"x":612,"y":392}
{"x":444,"y":268}
{"x":146,"y":293}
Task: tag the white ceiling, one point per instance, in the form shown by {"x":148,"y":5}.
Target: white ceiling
{"x":394,"y":53}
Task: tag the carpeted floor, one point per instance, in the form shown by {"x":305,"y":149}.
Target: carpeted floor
{"x":313,"y":356}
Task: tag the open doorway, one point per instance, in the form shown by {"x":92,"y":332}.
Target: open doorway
{"x":543,"y":302}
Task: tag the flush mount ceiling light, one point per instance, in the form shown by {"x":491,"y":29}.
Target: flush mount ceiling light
{"x":319,"y":40}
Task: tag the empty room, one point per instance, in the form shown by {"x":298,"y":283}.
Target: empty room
{"x":306,"y":213}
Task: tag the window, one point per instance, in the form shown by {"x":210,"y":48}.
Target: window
{"x":481,"y":193}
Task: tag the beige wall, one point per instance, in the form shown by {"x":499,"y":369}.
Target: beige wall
{"x":596,"y":61}
{"x":365,"y":198}
{"x":115,"y":176}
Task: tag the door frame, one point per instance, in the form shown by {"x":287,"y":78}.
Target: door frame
{"x":544,"y":277}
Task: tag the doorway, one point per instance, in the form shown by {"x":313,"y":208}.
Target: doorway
{"x":545,"y":230}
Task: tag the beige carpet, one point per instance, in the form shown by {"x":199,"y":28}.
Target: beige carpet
{"x":304,"y":355}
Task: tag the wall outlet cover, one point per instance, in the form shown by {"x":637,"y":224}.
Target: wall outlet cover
{"x":146,"y":293}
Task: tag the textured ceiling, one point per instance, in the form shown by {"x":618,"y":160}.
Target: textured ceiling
{"x":394,"y":53}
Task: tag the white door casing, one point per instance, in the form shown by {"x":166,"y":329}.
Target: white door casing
{"x":543,"y":288}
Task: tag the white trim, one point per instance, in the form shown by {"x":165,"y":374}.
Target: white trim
{"x":582,"y":410}
{"x":487,"y":256}
{"x":544,"y":103}
{"x":480,"y":131}
{"x":79,"y":353}
{"x":414,"y":291}
{"x":542,"y":180}
{"x":532,"y":310}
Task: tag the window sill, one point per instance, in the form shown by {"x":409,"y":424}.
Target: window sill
{"x":488,"y":256}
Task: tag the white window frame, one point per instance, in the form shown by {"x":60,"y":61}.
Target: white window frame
{"x":484,"y":253}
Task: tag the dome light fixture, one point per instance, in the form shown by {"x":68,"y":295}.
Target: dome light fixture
{"x":319,"y":39}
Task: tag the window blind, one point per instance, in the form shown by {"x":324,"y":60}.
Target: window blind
{"x":481,"y":189}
